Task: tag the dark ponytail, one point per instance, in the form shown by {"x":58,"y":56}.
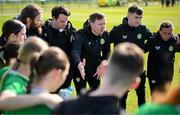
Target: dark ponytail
{"x":2,"y":44}
{"x":33,"y":70}
{"x":2,"y":61}
{"x":3,"y":40}
{"x":10,"y":51}
{"x":42,"y":63}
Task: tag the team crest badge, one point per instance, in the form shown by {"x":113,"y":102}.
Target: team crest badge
{"x":102,"y":41}
{"x":139,"y":36}
{"x":153,"y":81}
{"x":171,"y":48}
{"x":89,"y":43}
{"x":78,"y":79}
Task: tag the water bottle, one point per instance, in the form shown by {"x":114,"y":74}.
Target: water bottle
{"x":66,"y":93}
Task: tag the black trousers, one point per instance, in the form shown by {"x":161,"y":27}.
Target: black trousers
{"x":162,"y":2}
{"x":80,"y":83}
{"x":167,"y":3}
{"x":173,"y":2}
{"x":140,"y":92}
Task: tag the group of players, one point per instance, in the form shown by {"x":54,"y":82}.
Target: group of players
{"x":88,"y":52}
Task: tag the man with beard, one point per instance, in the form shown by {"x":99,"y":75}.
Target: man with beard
{"x":32,"y":17}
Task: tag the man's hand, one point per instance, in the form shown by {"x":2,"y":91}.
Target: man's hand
{"x":81,"y":66}
{"x":101,"y":69}
{"x":176,"y":37}
{"x":178,"y":41}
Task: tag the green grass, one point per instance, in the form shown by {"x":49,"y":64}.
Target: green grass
{"x":153,"y":15}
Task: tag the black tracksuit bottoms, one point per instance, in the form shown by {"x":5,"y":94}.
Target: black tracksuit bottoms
{"x":80,"y":83}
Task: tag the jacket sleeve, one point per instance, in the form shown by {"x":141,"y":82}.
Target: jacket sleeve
{"x":71,"y":31}
{"x":113,"y":35}
{"x":148,"y":45}
{"x":148,"y":33}
{"x":77,"y":48}
{"x":178,"y":48}
{"x":46,"y":34}
{"x":106,"y":49}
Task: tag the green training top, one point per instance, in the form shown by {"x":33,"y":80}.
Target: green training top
{"x":154,"y":109}
{"x":2,"y":70}
{"x":35,"y":110}
{"x":14,"y":82}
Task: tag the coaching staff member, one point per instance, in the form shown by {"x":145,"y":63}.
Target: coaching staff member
{"x":162,"y":48}
{"x":60,"y":32}
{"x":90,"y":47}
{"x":131,"y":30}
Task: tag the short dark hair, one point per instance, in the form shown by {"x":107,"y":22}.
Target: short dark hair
{"x":125,"y":63}
{"x":59,"y":10}
{"x":166,"y":24}
{"x":96,"y":16}
{"x":30,"y":11}
{"x":128,"y":56}
{"x":135,"y":9}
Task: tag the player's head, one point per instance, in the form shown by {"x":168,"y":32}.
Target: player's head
{"x":165,"y":30}
{"x":98,"y":23}
{"x":60,"y":16}
{"x":13,"y":30}
{"x":51,"y":65}
{"x":134,"y":16}
{"x":124,"y":66}
{"x":31,"y":16}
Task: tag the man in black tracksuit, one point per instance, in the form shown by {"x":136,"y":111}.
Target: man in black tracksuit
{"x":90,"y":47}
{"x":162,"y":48}
{"x":59,"y":32}
{"x":132,"y":31}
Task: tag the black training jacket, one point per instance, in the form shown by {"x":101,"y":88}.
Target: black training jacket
{"x":161,"y":57}
{"x":91,"y":47}
{"x":126,"y":33}
{"x":62,"y":39}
